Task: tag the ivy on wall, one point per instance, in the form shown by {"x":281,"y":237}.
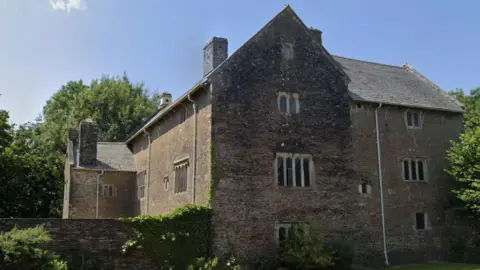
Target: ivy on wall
{"x":173,"y":241}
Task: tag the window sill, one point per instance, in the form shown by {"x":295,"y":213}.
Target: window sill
{"x":414,"y":128}
{"x":180,"y":193}
{"x":294,"y":188}
{"x":416,"y":181}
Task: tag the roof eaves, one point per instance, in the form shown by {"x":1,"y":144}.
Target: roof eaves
{"x":161,"y":113}
{"x":404,"y":105}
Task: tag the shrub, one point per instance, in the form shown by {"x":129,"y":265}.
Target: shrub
{"x":343,"y":254}
{"x":20,"y":249}
{"x":213,"y":264}
{"x":173,"y":241}
{"x":304,"y":249}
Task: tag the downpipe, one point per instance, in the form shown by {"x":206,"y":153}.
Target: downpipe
{"x":380,"y":178}
{"x":194,"y":165}
{"x":98,"y":192}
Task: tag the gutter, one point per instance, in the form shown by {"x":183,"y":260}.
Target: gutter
{"x":194,"y":165}
{"x":380,"y":178}
{"x":161,"y":113}
{"x":98,"y":192}
{"x":147,"y":181}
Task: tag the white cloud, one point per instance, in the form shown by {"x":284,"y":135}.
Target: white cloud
{"x":68,"y":5}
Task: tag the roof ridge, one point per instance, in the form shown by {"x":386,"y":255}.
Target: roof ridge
{"x":370,"y":62}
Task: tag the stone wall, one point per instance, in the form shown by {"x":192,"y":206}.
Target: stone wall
{"x":83,"y":194}
{"x":172,"y":141}
{"x":100,"y":240}
{"x":403,"y":199}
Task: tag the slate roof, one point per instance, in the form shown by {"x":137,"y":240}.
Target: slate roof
{"x":380,"y":83}
{"x":114,"y":156}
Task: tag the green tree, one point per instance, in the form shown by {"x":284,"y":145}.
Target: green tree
{"x":116,"y":104}
{"x":5,"y":129}
{"x":464,"y":155}
{"x":31,"y":182}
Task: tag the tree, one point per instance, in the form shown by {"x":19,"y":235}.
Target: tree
{"x":5,"y":128}
{"x":464,"y":155}
{"x":30,"y":181}
{"x":117,"y":105}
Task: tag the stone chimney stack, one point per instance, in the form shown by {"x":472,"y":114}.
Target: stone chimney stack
{"x":165,"y":100}
{"x":316,"y":34}
{"x":214,"y":53}
{"x":87,"y":147}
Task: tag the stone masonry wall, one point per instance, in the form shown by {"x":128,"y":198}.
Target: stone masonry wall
{"x":83,"y":194}
{"x":403,"y":199}
{"x":248,"y":130}
{"x":173,"y":140}
{"x":93,"y":239}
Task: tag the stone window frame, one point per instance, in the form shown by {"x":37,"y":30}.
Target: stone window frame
{"x":288,"y":96}
{"x":417,"y":172}
{"x":111,"y":190}
{"x":412,"y":125}
{"x":165,"y":182}
{"x":364,"y":188}
{"x":425,"y":222}
{"x":294,"y":157}
{"x":181,"y":181}
{"x":281,"y":225}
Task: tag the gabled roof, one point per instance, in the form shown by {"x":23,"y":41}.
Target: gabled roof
{"x":368,"y":82}
{"x":404,"y":86}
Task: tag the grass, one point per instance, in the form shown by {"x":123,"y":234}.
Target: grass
{"x":438,"y":266}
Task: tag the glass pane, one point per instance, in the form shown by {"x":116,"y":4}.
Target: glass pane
{"x":364,"y":188}
{"x":298,"y":172}
{"x":406,"y":171}
{"x":293,"y":105}
{"x":415,"y":120}
{"x":282,"y":234}
{"x":420,"y":170}
{"x":414,"y":170}
{"x":409,"y":119}
{"x":283,"y":104}
{"x":306,"y":172}
{"x":280,"y":175}
{"x":289,"y":172}
{"x":420,"y":221}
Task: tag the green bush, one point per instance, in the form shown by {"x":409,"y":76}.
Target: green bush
{"x":343,"y":254}
{"x":173,"y":241}
{"x":20,"y":249}
{"x":305,"y":249}
{"x":214,"y":264}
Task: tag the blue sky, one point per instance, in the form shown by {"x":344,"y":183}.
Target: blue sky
{"x":46,"y":43}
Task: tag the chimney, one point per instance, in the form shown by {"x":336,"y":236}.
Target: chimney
{"x":214,"y":53}
{"x":165,"y":100}
{"x":316,"y":34}
{"x":88,"y":143}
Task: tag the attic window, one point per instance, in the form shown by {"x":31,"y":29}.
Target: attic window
{"x":413,"y":120}
{"x":288,"y":103}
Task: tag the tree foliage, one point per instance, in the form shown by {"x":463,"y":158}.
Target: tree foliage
{"x":117,"y":105}
{"x":464,"y":155}
{"x":20,"y":249}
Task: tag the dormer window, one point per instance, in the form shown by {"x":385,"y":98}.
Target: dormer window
{"x":413,"y":120}
{"x":288,"y":103}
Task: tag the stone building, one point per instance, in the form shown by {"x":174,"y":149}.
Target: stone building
{"x":282,"y":129}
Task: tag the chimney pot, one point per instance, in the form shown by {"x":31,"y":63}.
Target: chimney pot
{"x":214,"y":53}
{"x":165,"y":100}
